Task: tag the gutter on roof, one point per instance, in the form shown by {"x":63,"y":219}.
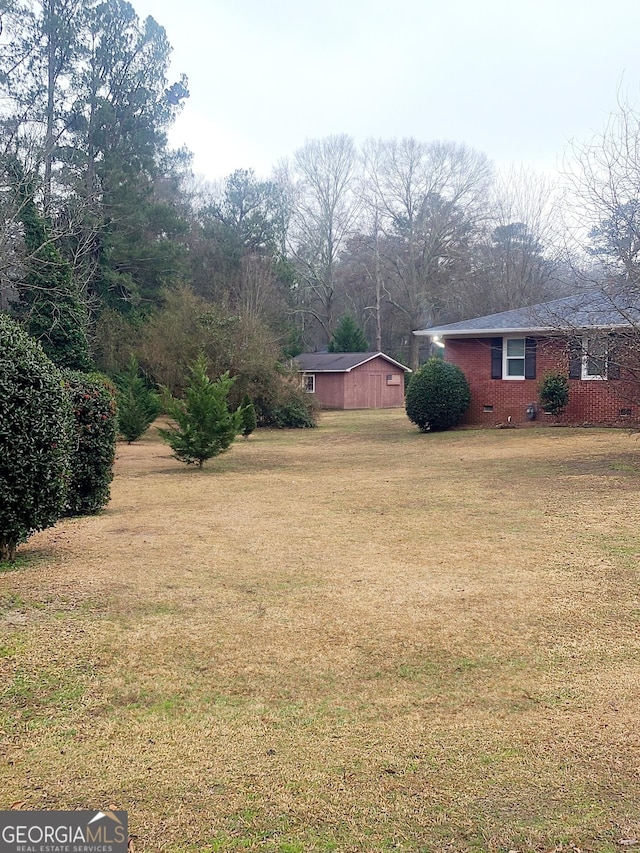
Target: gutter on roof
{"x":478,"y":333}
{"x":540,"y":330}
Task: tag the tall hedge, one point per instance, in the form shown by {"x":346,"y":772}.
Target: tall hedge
{"x":35,"y":432}
{"x":437,"y":396}
{"x":93,"y":452}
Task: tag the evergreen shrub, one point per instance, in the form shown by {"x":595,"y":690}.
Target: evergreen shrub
{"x":437,"y":396}
{"x":554,"y":392}
{"x":35,"y":433}
{"x":249,"y":419}
{"x":95,"y":414}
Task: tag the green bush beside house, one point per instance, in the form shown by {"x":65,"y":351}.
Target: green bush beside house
{"x":437,"y":396}
{"x":554,"y":393}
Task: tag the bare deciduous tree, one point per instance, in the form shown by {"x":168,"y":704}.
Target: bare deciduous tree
{"x":603,"y":216}
{"x":603,"y":177}
{"x":320,"y":185}
{"x":430,"y":196}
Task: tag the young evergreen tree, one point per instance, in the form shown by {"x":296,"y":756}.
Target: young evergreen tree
{"x":348,"y":337}
{"x":249,"y":417}
{"x":204,"y":425}
{"x":138,"y":405}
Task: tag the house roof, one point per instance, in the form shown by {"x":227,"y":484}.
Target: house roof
{"x":339,"y":362}
{"x":599,"y":309}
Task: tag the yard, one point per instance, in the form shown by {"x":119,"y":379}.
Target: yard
{"x":355,"y":638}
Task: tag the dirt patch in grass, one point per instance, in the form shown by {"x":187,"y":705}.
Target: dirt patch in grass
{"x":355,"y":638}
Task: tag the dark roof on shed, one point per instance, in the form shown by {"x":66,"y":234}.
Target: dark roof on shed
{"x":339,"y":362}
{"x":599,"y":309}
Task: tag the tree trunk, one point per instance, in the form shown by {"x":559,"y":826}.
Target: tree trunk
{"x":378,"y":275}
{"x":51,"y":83}
{"x":414,"y":351}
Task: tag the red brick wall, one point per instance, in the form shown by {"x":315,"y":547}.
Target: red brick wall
{"x":590,"y":401}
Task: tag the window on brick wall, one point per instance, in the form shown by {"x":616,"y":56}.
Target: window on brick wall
{"x":593,"y":357}
{"x":513,"y":358}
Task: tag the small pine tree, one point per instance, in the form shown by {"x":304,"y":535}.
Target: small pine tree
{"x":554,"y":393}
{"x":348,"y":337}
{"x":138,"y":405}
{"x":249,"y":417}
{"x":204,"y":425}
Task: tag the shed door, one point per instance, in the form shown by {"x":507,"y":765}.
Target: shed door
{"x":374,"y":395}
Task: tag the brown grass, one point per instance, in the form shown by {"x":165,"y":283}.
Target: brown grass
{"x":356,"y":638}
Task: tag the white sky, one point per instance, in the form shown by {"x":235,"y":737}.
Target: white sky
{"x":516,"y":79}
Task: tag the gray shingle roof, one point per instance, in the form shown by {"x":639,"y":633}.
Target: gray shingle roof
{"x":593,"y":310}
{"x":338,"y":362}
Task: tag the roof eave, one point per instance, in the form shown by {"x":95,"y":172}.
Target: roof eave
{"x":353,"y":366}
{"x":547,"y":331}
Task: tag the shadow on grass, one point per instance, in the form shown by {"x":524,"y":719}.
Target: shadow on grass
{"x":27,"y":559}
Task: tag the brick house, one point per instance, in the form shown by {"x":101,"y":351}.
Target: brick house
{"x":593,"y":337}
{"x":353,"y":380}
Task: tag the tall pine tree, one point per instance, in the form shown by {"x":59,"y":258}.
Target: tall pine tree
{"x":50,"y":304}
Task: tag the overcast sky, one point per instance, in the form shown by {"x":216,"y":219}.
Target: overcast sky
{"x":516,"y":79}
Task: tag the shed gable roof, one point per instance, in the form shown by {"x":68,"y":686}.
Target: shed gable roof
{"x":598,"y":309}
{"x":339,"y":362}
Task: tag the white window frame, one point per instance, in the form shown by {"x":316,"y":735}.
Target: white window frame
{"x":309,"y":383}
{"x":584,"y":362}
{"x":506,"y":358}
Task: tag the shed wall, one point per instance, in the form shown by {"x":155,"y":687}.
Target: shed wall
{"x":364,"y":387}
{"x":330,"y":389}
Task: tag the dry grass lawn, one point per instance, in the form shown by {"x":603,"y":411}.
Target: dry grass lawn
{"x":355,"y":638}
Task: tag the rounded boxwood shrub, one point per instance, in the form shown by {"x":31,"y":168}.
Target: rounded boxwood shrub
{"x":93,"y":452}
{"x":437,"y":396}
{"x":35,"y":431}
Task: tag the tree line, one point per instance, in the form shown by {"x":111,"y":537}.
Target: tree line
{"x":108,"y":237}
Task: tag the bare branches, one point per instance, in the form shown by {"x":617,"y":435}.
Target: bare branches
{"x":603,"y":178}
{"x":320,"y":184}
